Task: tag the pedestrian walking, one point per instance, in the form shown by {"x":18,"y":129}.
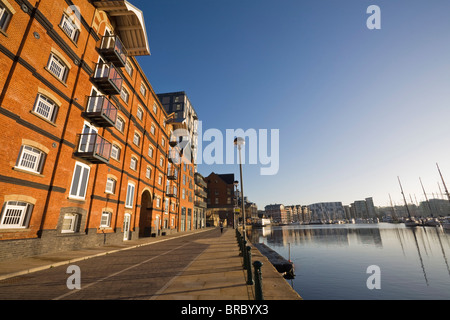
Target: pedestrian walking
{"x":221,"y":227}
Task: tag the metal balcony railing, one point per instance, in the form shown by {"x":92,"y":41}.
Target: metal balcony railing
{"x":93,"y":148}
{"x":107,"y":78}
{"x":113,"y":50}
{"x":102,"y":111}
{"x":172,"y":174}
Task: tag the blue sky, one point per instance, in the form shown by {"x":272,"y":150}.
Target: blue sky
{"x":355,"y":107}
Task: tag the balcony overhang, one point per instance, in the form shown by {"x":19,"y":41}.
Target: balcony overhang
{"x":129,"y":25}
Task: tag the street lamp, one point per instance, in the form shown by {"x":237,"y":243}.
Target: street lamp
{"x":240,"y":142}
{"x":236,"y":183}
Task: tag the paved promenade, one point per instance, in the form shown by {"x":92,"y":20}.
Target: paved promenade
{"x":202,"y":265}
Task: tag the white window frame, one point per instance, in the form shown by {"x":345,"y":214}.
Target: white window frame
{"x":73,"y":219}
{"x":148,"y":172}
{"x":45,"y":108}
{"x":133,"y":163}
{"x":5,"y":17}
{"x":140,"y":113}
{"x":115,"y":152}
{"x":143,"y":90}
{"x":151,"y":151}
{"x":130,"y":195}
{"x":57,"y":67}
{"x":129,"y":68}
{"x":18,"y":216}
{"x":153,"y":129}
{"x":84,"y":175}
{"x":120,"y":124}
{"x":155,"y":109}
{"x":31,"y":159}
{"x":105,"y":221}
{"x":158,"y":202}
{"x":163,"y":141}
{"x":110,"y":186}
{"x":125,"y":94}
{"x":161,"y":161}
{"x":160,"y":178}
{"x":136,"y":139}
{"x":70,"y":28}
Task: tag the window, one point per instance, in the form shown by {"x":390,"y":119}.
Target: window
{"x":70,"y":28}
{"x":70,"y":223}
{"x":148,"y":172}
{"x":46,"y":108}
{"x":129,"y":68}
{"x":163,"y":142}
{"x":105,"y":221}
{"x":115,"y":152}
{"x":152,"y":129}
{"x":5,"y":17}
{"x":57,"y":67}
{"x":183,"y":193}
{"x":161,"y":161}
{"x":16,"y":214}
{"x":133,"y":163}
{"x":80,"y":181}
{"x":160,"y":178}
{"x":31,"y":159}
{"x":125,"y":95}
{"x":136,"y":139}
{"x":110,"y":185}
{"x":150,"y":151}
{"x":130,"y":195}
{"x":155,"y":108}
{"x":139,"y":113}
{"x":120,"y":124}
{"x":158,"y":202}
{"x":143,"y":90}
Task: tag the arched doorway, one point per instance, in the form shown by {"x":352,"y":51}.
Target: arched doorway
{"x":145,"y":217}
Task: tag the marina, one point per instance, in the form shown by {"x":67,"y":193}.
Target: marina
{"x":331,"y":260}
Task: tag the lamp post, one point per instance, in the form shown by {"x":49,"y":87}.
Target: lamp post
{"x":235,"y":183}
{"x":240,"y":142}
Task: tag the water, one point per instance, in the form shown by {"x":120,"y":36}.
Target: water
{"x":331,"y":261}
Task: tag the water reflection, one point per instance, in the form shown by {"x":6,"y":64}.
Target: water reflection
{"x":331,"y":260}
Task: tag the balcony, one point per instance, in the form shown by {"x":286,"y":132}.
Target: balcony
{"x":201,"y":193}
{"x":101,"y":111}
{"x":107,"y":78}
{"x":171,"y":192}
{"x":113,"y":50}
{"x":172,"y":174}
{"x":200,"y":204}
{"x":174,"y":156}
{"x":93,"y":148}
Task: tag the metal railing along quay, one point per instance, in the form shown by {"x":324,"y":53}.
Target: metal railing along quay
{"x":255,"y":277}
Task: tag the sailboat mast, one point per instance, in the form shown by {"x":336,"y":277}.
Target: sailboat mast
{"x":393,"y":209}
{"x":404,"y":199}
{"x":443,"y":182}
{"x":426,"y":198}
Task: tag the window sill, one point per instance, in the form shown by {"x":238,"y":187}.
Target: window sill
{"x":59,"y":80}
{"x":42,"y":118}
{"x":15,"y":229}
{"x":29,"y":172}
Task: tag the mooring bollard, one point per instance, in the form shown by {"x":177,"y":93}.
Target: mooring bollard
{"x":258,"y":280}
{"x":249,"y":266}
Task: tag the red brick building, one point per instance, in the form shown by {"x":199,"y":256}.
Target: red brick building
{"x":85,"y":140}
{"x":221,"y":198}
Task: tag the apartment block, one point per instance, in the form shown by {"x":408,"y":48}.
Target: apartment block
{"x":86,"y":154}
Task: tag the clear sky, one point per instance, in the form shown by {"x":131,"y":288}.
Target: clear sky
{"x":355,"y":107}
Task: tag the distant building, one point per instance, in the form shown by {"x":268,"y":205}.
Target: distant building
{"x":221,"y":198}
{"x":363,"y":209}
{"x":277,"y":212}
{"x":327,"y":211}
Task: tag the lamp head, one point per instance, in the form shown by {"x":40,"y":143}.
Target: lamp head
{"x":238,"y":141}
